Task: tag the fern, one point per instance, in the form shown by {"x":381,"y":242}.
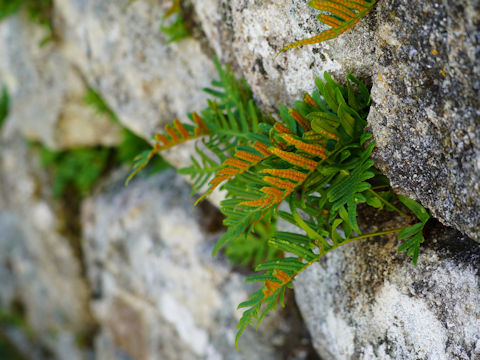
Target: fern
{"x":253,"y":249}
{"x":4,"y":105}
{"x":227,"y":122}
{"x":178,"y":29}
{"x":340,"y":15}
{"x":315,"y":158}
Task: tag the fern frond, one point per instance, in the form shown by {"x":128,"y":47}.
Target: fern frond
{"x":201,"y":169}
{"x":340,"y":15}
{"x":347,"y":189}
{"x":244,"y":159}
{"x":316,"y":158}
{"x":253,"y":249}
{"x":175,"y":134}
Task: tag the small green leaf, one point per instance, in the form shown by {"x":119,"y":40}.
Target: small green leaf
{"x":410,"y":230}
{"x":416,"y":208}
{"x":412,"y":246}
{"x":365,"y":137}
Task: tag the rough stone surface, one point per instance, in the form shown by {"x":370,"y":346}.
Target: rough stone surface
{"x":422,"y":59}
{"x":250,"y":34}
{"x":39,"y":272}
{"x":426,"y":111}
{"x":365,"y":301}
{"x":157,"y":291}
{"x":122,"y":54}
{"x":46,"y":91}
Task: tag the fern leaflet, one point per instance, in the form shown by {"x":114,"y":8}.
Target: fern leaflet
{"x":340,"y":15}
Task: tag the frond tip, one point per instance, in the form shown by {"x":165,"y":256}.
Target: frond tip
{"x":340,"y":15}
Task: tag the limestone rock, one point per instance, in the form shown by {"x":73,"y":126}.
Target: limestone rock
{"x":426,"y":111}
{"x":365,"y":301}
{"x":39,"y":271}
{"x":422,"y":59}
{"x":157,"y":291}
{"x":251,"y":33}
{"x":121,"y":52}
{"x":47,"y":91}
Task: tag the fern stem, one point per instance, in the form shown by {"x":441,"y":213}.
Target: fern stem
{"x":388,"y":203}
{"x":372,"y":235}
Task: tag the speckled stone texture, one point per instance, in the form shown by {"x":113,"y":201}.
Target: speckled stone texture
{"x":426,"y":106}
{"x":46,"y":91}
{"x":41,"y":278}
{"x":157,"y":292}
{"x":249,"y":34}
{"x":365,"y":301}
{"x":121,"y":52}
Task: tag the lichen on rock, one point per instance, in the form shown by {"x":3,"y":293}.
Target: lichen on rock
{"x":426,"y":110}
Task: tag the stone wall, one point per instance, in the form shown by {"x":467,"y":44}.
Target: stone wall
{"x":137,"y":280}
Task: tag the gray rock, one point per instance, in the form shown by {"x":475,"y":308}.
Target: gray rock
{"x":422,"y":59}
{"x":46,"y":91}
{"x":157,"y":291}
{"x":121,"y":52}
{"x":426,"y":111}
{"x":365,"y":301}
{"x":39,"y":271}
{"x":251,"y":33}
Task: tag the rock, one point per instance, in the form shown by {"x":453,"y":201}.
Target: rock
{"x":365,"y":301}
{"x":157,"y":291}
{"x":47,"y":91}
{"x":425,"y":83}
{"x":121,"y":52}
{"x":39,"y":271}
{"x":251,"y":33}
{"x":426,"y":110}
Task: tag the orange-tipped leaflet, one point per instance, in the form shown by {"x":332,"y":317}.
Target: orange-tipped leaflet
{"x":282,"y":129}
{"x":336,"y":9}
{"x":165,"y":142}
{"x":300,"y":119}
{"x":248,"y":156}
{"x":312,"y":149}
{"x":309,"y":100}
{"x":262,"y":148}
{"x":294,"y":175}
{"x":294,"y":159}
{"x":278,"y":194}
{"x":329,"y":20}
{"x":239,"y":164}
{"x":282,"y":184}
{"x":181,"y":129}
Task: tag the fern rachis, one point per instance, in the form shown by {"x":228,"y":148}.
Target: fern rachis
{"x":340,"y":15}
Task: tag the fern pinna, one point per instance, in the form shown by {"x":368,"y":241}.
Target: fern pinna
{"x":315,"y":158}
{"x":340,"y":15}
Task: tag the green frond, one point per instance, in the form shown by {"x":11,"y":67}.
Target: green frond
{"x":291,"y":247}
{"x":316,"y":158}
{"x":201,"y":170}
{"x":340,"y":15}
{"x":4,"y":105}
{"x":176,"y":30}
{"x":284,"y":264}
{"x":253,"y":249}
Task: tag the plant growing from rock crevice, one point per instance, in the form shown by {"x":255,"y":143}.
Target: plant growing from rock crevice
{"x":315,"y":158}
